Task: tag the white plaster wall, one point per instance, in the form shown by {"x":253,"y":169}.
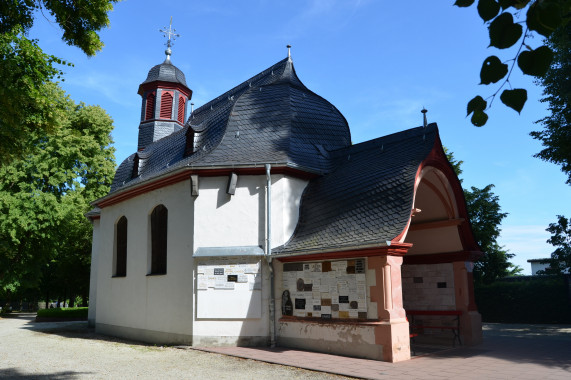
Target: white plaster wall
{"x":224,"y":220}
{"x":213,"y":219}
{"x":156,"y":303}
{"x":93,"y":274}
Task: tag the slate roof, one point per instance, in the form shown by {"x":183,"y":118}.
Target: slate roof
{"x":166,"y":72}
{"x":270,"y":118}
{"x":367,"y":198}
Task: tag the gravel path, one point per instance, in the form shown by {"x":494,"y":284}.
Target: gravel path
{"x":70,"y":350}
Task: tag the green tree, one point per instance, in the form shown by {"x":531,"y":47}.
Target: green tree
{"x":25,"y":104}
{"x":486,"y":217}
{"x":44,"y":195}
{"x":560,"y":261}
{"x":556,"y":133}
{"x":511,"y":22}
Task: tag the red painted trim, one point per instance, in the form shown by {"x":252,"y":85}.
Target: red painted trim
{"x":437,"y":159}
{"x":167,"y":120}
{"x":440,"y":258}
{"x":392,"y":250}
{"x":185,"y":176}
{"x":165,"y":85}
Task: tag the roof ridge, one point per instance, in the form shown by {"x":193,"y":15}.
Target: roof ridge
{"x":247,"y":83}
{"x":390,"y":138}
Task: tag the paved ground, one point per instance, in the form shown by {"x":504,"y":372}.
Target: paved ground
{"x":71,"y":351}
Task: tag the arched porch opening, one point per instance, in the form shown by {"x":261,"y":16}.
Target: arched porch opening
{"x":437,"y":269}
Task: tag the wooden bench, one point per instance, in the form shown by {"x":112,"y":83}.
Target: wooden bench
{"x":415,"y":327}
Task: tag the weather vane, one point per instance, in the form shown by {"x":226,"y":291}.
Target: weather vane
{"x":171,"y":36}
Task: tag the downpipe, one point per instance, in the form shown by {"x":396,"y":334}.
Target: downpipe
{"x":268,"y":255}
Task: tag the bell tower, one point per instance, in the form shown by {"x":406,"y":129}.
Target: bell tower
{"x":165,"y":96}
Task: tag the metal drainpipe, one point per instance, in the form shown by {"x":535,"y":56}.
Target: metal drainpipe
{"x":269,"y":257}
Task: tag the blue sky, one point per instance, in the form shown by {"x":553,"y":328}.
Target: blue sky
{"x":378,"y":62}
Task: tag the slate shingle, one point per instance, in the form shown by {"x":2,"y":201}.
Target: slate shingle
{"x":367,"y":197}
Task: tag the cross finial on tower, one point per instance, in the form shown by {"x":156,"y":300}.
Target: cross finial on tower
{"x":289,"y":51}
{"x":171,"y":36}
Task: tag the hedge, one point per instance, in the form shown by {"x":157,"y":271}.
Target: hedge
{"x":534,"y":299}
{"x":70,"y":312}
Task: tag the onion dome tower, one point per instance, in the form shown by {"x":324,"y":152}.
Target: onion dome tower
{"x":164,"y":98}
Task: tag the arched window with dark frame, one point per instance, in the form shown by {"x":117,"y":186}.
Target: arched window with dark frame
{"x":159,"y":229}
{"x":121,"y":247}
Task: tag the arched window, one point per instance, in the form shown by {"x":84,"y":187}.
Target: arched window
{"x":166,"y":105}
{"x":121,"y":248}
{"x":181,"y":109}
{"x":150,"y":108}
{"x":159,"y":228}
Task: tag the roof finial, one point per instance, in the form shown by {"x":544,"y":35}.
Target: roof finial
{"x":171,"y":36}
{"x":289,"y":51}
{"x":424,"y":111}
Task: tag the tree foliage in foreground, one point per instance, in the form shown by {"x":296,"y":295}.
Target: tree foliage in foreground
{"x":560,"y":261}
{"x":486,"y":217}
{"x":512,"y":22}
{"x":26,"y":105}
{"x":43,"y":234}
{"x":556,"y":133}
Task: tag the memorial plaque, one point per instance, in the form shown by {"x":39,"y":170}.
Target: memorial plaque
{"x":232,"y":278}
{"x":300,"y":303}
{"x":326,"y":301}
{"x":334,"y":307}
{"x":326,"y":267}
{"x":219,"y":271}
{"x":343,"y":299}
{"x":362,"y":315}
{"x":325,"y":316}
{"x":300,"y":285}
{"x":343,"y":314}
{"x":307,"y":287}
{"x":354,"y":304}
{"x":360,"y":266}
{"x":293,"y":267}
{"x":316,"y":307}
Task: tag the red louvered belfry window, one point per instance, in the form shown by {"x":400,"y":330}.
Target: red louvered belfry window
{"x":166,"y":105}
{"x":181,"y":109}
{"x":150,"y":109}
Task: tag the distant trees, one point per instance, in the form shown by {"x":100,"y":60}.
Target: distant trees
{"x":560,"y":261}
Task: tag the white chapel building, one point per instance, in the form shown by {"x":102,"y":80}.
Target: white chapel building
{"x":256,"y":221}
